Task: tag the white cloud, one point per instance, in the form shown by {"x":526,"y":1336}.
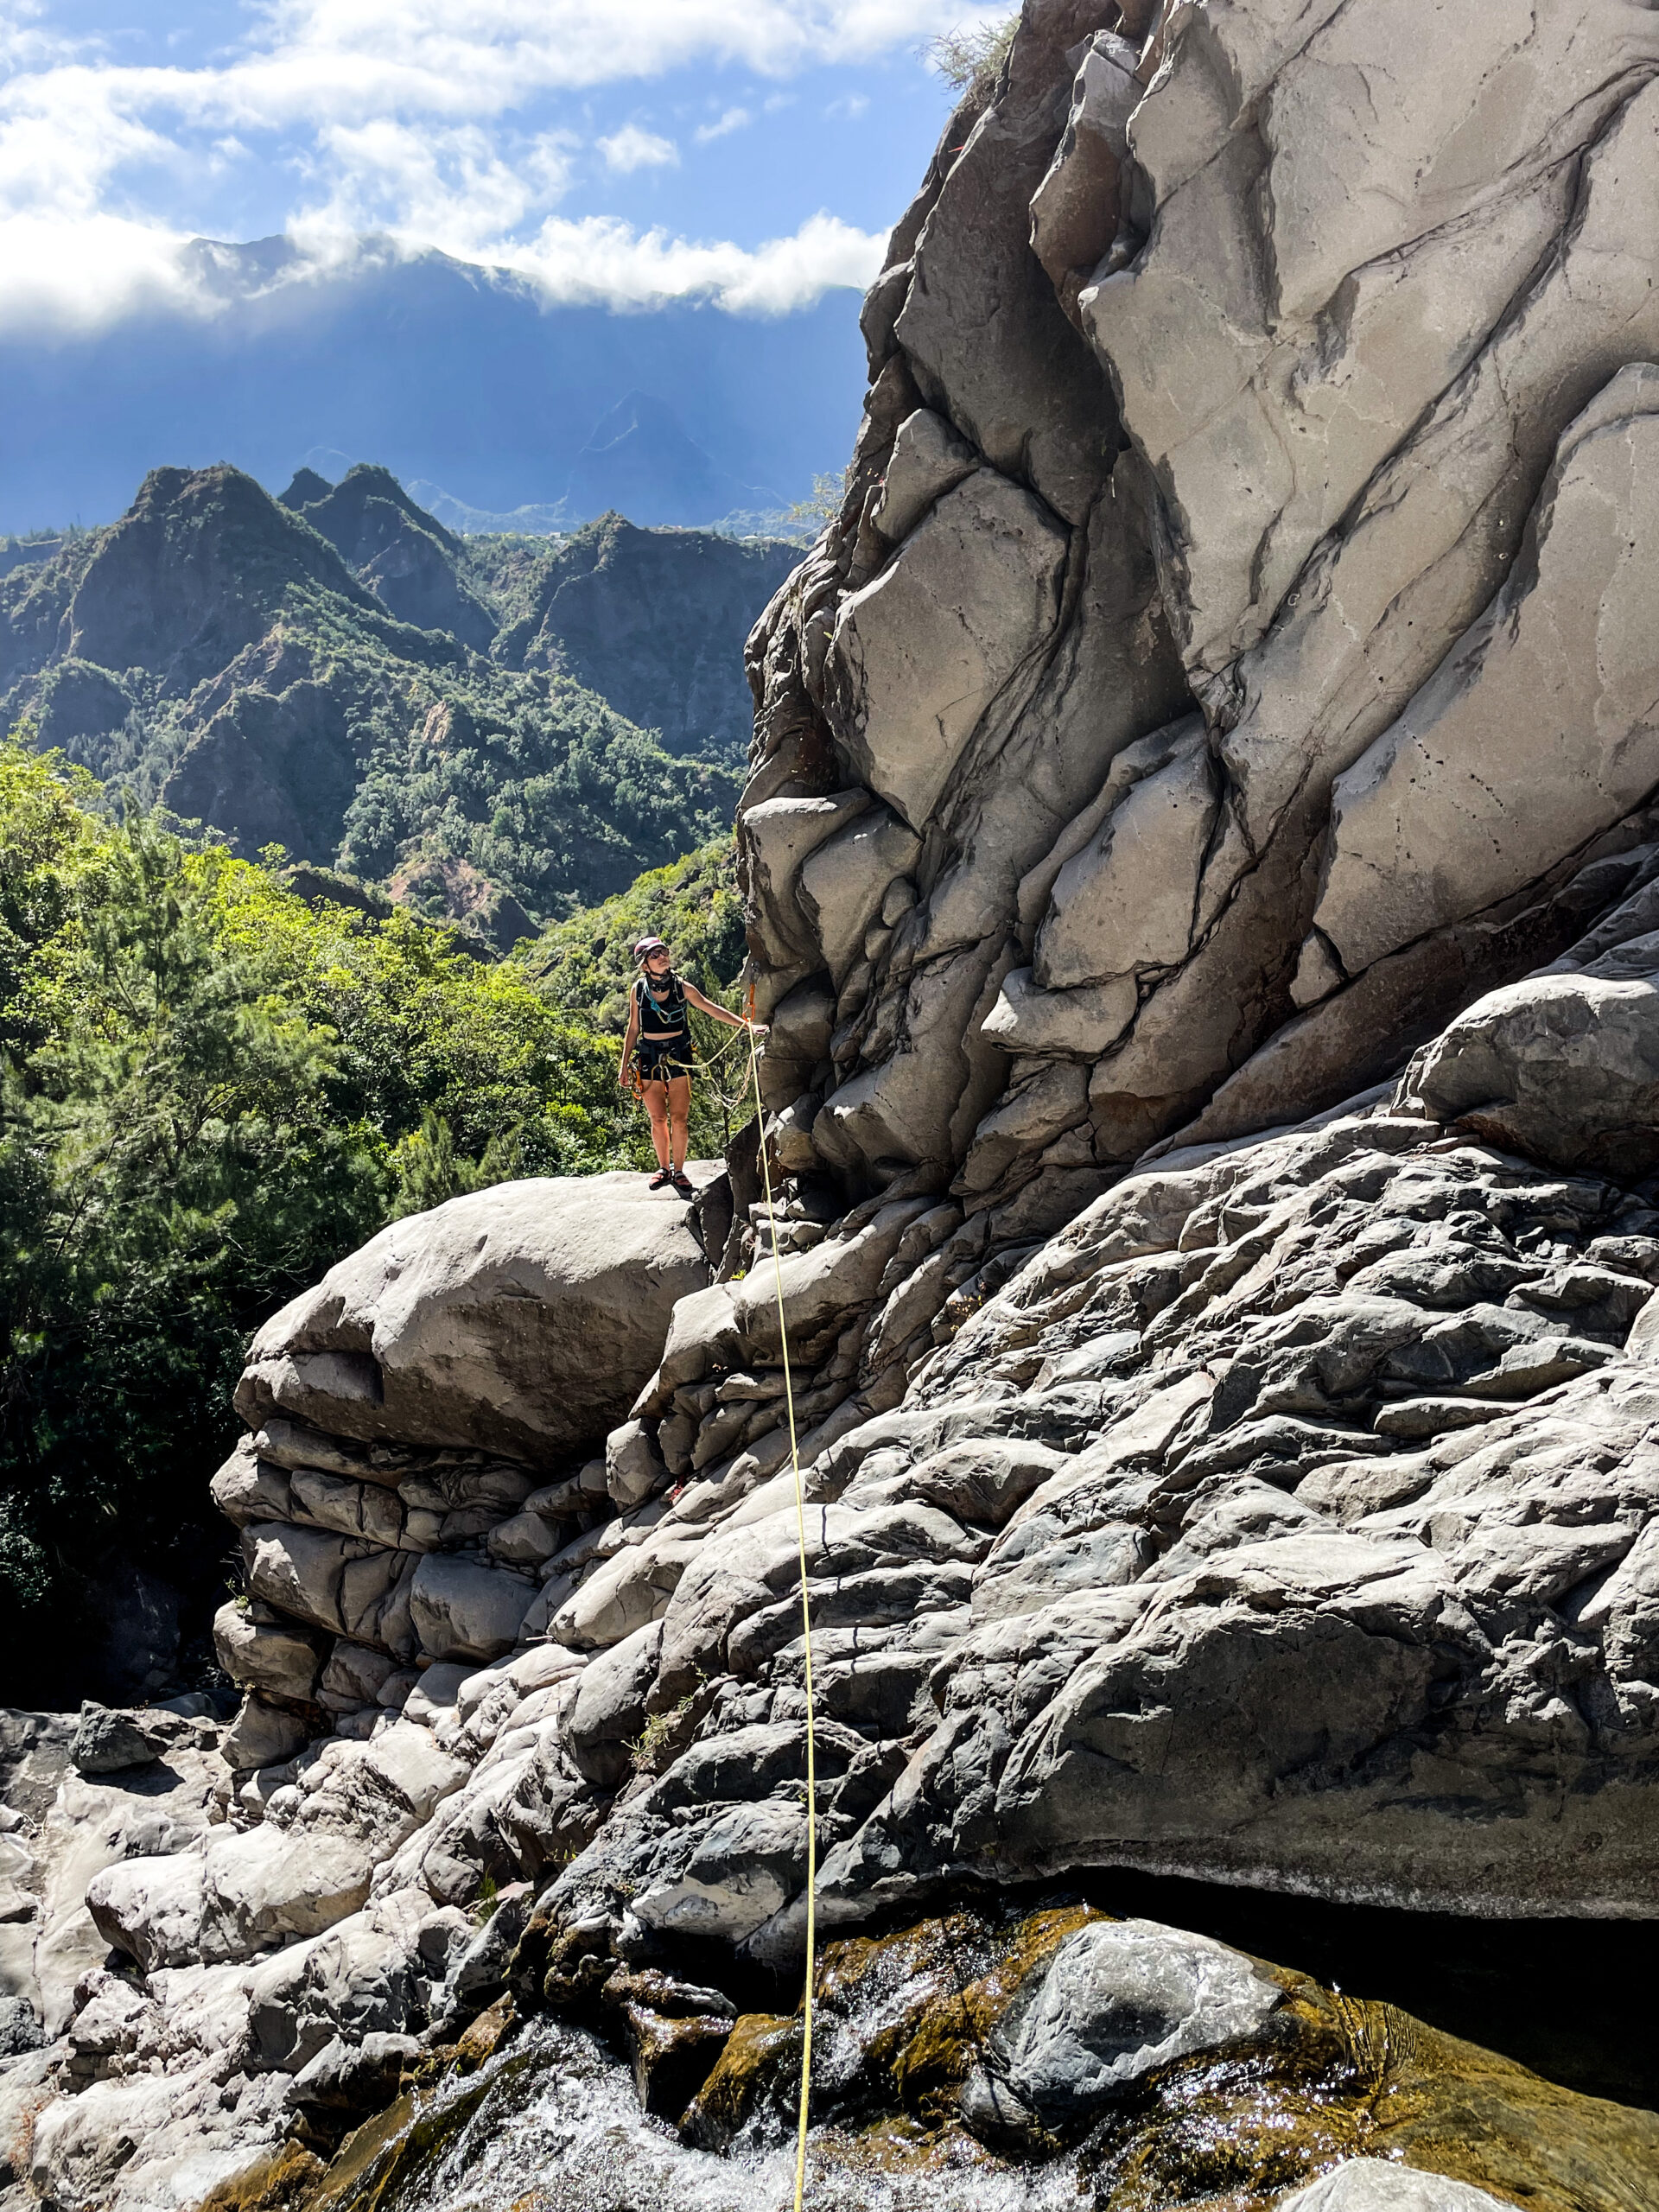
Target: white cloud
{"x":735,"y":118}
{"x":470,"y":45}
{"x":421,"y":119}
{"x":631,"y":149}
{"x":848,"y":108}
{"x":454,"y":187}
{"x":67,"y":278}
{"x":601,"y":260}
{"x":63,"y":277}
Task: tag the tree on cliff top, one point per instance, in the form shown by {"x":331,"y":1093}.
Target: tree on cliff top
{"x":971,"y":59}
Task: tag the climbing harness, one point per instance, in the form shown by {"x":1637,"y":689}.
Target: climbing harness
{"x":806,"y":1632}
{"x":704,"y":1064}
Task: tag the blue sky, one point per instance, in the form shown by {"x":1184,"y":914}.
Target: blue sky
{"x":748,"y":151}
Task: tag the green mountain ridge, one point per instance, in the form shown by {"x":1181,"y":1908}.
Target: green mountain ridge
{"x":495,"y":730}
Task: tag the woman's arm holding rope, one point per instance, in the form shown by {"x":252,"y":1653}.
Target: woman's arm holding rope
{"x":696,"y":998}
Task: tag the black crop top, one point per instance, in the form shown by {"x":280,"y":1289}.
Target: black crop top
{"x":665,"y":1017}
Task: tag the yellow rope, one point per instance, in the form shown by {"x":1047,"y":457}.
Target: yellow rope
{"x":806,"y":1631}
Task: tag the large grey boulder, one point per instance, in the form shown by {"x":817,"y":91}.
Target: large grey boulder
{"x":464,"y":1607}
{"x":747,"y":1862}
{"x":524,"y":1318}
{"x":1562,"y":1067}
{"x":1118,"y":1999}
{"x":109,"y":1743}
{"x":281,"y":1658}
{"x":263,"y":1734}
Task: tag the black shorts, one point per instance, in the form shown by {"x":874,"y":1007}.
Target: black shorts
{"x":659,"y":1060}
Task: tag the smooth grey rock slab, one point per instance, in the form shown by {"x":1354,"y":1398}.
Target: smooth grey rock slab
{"x":928,"y":461}
{"x":461,"y":1607}
{"x":1563,"y":1068}
{"x":282,"y":1660}
{"x":980,"y":326}
{"x":1076,"y":209}
{"x":522,"y":1319}
{"x":922,"y":650}
{"x":1542,"y":726}
{"x":783,"y":834}
{"x":844,"y":883}
{"x":1079,"y":1024}
{"x":1125,"y":902}
{"x":1052,"y":1098}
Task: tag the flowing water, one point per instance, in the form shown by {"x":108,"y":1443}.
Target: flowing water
{"x":557,"y":2126}
{"x":1521,"y":2057}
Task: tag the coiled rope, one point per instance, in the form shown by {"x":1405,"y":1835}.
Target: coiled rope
{"x":806,"y":1631}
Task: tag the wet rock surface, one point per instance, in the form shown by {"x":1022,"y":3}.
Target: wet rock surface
{"x":1304,"y":2090}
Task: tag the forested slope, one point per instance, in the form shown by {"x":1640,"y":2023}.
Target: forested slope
{"x":337,"y":673}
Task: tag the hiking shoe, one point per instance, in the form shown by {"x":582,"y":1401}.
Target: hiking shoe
{"x":661,"y":1180}
{"x":682,"y":1184}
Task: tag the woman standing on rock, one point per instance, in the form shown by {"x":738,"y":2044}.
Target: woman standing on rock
{"x":658,"y":1042}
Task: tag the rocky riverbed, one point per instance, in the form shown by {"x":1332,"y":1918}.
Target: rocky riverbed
{"x":1202,"y":872}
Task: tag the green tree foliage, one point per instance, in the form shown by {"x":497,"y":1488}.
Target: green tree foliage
{"x":532,"y":782}
{"x":586,"y":963}
{"x":827,"y":494}
{"x":209,"y":1092}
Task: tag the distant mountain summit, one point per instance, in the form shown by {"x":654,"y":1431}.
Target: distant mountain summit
{"x":404,"y":556}
{"x":197,"y":568}
{"x":654,"y":620}
{"x":492,"y":729}
{"x":638,"y":460}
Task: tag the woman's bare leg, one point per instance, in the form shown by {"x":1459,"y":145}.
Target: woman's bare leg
{"x":656,"y":1097}
{"x":679,"y":1114}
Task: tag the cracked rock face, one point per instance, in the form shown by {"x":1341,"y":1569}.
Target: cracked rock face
{"x":1202,"y":867}
{"x":1301,"y":359}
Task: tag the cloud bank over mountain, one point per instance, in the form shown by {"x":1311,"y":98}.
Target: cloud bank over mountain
{"x":461,"y":377}
{"x":595,"y":147}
